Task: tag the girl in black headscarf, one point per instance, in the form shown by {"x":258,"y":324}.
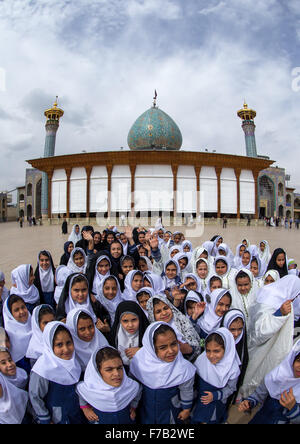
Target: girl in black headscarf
{"x":278,"y":262}
{"x":128,"y":330}
{"x":68,"y":247}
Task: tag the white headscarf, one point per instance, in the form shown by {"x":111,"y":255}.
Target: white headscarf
{"x":191,"y":296}
{"x":19,"y":333}
{"x":61,"y":274}
{"x":203,"y":281}
{"x":46,"y":276}
{"x":126,"y":340}
{"x":198,"y":281}
{"x":282,"y":377}
{"x":20,"y":379}
{"x":13,"y":403}
{"x":84,"y":349}
{"x":226,"y":369}
{"x":155,"y":281}
{"x":70,"y":304}
{"x":110,"y":305}
{"x":273,"y":273}
{"x":20,"y":277}
{"x":74,"y":237}
{"x":170,"y":282}
{"x":237,"y":258}
{"x":155,"y":373}
{"x":103,"y":396}
{"x":129,"y":294}
{"x":232,"y":315}
{"x":210,"y":320}
{"x":227,"y":278}
{"x":36,"y":347}
{"x":71,"y":263}
{"x":98,"y":276}
{"x":277,"y":293}
{"x":227,"y":250}
{"x":265,"y":255}
{"x":240,"y":301}
{"x":50,"y":366}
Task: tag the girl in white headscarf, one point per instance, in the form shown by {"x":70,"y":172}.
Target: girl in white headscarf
{"x":237,"y":260}
{"x":87,"y":338}
{"x":154,"y":281}
{"x":279,"y":392}
{"x":102,"y":270}
{"x":217,"y":303}
{"x":13,"y":402}
{"x":61,"y":274}
{"x":108,"y":396}
{"x":54,"y":377}
{"x":110,"y":295}
{"x":223,"y":269}
{"x":75,"y":235}
{"x":44,"y":278}
{"x":22,"y":279}
{"x":244,"y":292}
{"x":218,"y":370}
{"x":78,"y":261}
{"x":167,"y":378}
{"x":41,"y":315}
{"x":203,"y":271}
{"x":270,"y":276}
{"x":264,"y":251}
{"x":133,"y":283}
{"x":224,"y":250}
{"x":271,"y":329}
{"x":17,"y":323}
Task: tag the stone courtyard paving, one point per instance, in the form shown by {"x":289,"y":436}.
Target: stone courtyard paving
{"x":21,"y":246}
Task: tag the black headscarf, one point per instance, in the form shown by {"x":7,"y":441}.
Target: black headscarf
{"x":283,"y":271}
{"x":37,"y":280}
{"x":132,"y":307}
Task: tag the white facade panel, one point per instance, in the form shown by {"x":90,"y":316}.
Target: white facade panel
{"x":120,"y":188}
{"x":208,"y":190}
{"x":186,"y":195}
{"x":228,"y":191}
{"x":153,"y":188}
{"x":247,"y":192}
{"x":59,"y":192}
{"x":78,"y":190}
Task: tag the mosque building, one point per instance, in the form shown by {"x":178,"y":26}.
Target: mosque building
{"x":155,"y":176}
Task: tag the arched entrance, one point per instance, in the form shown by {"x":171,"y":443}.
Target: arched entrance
{"x":267,"y":200}
{"x":29,"y":210}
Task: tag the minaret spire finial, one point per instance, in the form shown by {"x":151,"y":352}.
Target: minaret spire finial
{"x":154,"y":98}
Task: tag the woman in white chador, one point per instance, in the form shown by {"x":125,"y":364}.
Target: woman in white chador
{"x":271,"y":329}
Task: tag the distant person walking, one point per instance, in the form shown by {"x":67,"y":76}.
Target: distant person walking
{"x":64,"y":227}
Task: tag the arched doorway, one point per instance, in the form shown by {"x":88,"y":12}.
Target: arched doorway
{"x":280,"y":211}
{"x":29,"y":210}
{"x":38,"y":199}
{"x":267,"y":200}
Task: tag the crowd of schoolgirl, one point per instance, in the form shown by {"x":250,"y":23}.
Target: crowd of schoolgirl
{"x":140,"y":327}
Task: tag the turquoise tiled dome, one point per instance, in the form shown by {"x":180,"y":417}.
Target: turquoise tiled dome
{"x":154,"y":129}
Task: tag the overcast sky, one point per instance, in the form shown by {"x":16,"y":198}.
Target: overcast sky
{"x":104,"y":58}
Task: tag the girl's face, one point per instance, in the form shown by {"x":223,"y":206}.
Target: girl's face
{"x":162,"y":312}
{"x":63,"y":346}
{"x":254,"y":268}
{"x":147,"y":283}
{"x":221,"y":268}
{"x":143,"y":299}
{"x":130,"y":323}
{"x":236,"y":327}
{"x":204,"y":255}
{"x":137,"y":282}
{"x":79,"y":292}
{"x":182,"y":263}
{"x":190,"y":308}
{"x":173,"y":252}
{"x":177,"y":238}
{"x":215,"y":284}
{"x":171,"y":271}
{"x":48,"y":317}
{"x":78,"y":259}
{"x":141,"y":238}
{"x":280,"y":260}
{"x":143,"y":265}
{"x":246,"y":258}
{"x":110,"y":238}
{"x":103,"y":267}
{"x":223,"y":306}
{"x":192,"y":285}
{"x":262,"y":246}
{"x":31,"y":277}
{"x":219,"y":242}
{"x":214,"y":352}
{"x":166,"y":346}
{"x":111,"y":371}
{"x":269,"y":280}
{"x":110,"y":289}
{"x":242,"y":249}
{"x":123,"y":239}
{"x":222,"y":252}
{"x":7,"y":365}
{"x":202,"y":270}
{"x":127,"y":266}
{"x":86,"y":329}
{"x":116,"y":250}
{"x":243,"y":285}
{"x":19,"y":311}
{"x":166,"y":237}
{"x":97,"y":238}
{"x":77,"y":228}
{"x":44,"y":262}
{"x":186,"y":249}
{"x":70,"y":247}
{"x":142,"y":251}
{"x":296,"y":367}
